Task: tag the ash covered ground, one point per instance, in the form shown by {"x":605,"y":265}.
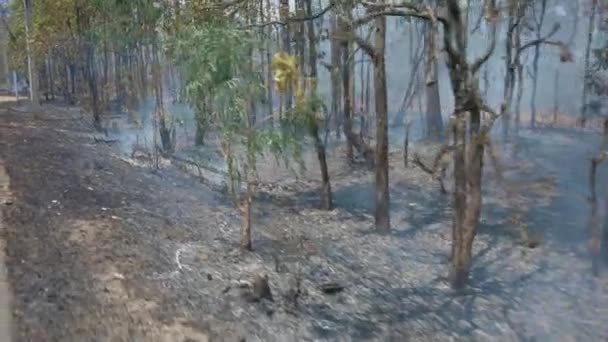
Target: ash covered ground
{"x":101,"y":247}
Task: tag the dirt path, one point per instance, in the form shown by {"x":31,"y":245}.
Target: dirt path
{"x":5,"y":292}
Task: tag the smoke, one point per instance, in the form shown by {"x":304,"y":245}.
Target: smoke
{"x":137,"y":130}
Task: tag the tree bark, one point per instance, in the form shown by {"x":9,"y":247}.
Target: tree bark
{"x":382,"y":213}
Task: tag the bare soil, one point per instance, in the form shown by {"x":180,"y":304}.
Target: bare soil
{"x":101,"y":249}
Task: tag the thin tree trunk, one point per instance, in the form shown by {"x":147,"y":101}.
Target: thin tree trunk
{"x":166,"y":133}
{"x":93,"y":88}
{"x":351,"y":97}
{"x":118,"y":85}
{"x":382,"y":213}
{"x":335,"y":75}
{"x":555,"y":96}
{"x":269,"y":77}
{"x":142,"y":73}
{"x":571,"y":46}
{"x":368,"y":99}
{"x":434,"y":120}
{"x":246,"y":243}
{"x":354,"y":139}
{"x":590,"y":33}
{"x":539,"y":27}
{"x":519,"y":96}
{"x":31,"y":63}
{"x":326,"y":195}
{"x":72,"y":72}
{"x":49,"y":76}
{"x":286,"y":37}
{"x":506,"y":119}
{"x":106,"y":73}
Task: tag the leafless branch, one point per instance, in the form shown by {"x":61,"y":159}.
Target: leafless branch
{"x":492,"y":46}
{"x":541,"y":40}
{"x":365,"y":46}
{"x":295,"y":19}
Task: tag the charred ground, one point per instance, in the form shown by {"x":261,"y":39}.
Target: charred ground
{"x":97,"y":246}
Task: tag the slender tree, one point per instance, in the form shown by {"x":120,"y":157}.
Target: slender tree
{"x":28,"y":6}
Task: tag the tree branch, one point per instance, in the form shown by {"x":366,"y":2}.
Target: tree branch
{"x":542,"y":40}
{"x":365,"y":46}
{"x":398,"y":10}
{"x":490,"y":49}
{"x":295,"y":19}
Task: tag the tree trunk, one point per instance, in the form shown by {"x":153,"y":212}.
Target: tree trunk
{"x":520,"y":93}
{"x":572,"y":46}
{"x":368,"y":100}
{"x":143,"y":86}
{"x":269,"y":76}
{"x":406,"y":143}
{"x":91,"y":75}
{"x":468,"y":165}
{"x":118,"y":81}
{"x":286,"y":37}
{"x":31,"y":63}
{"x":300,"y":44}
{"x":72,"y":72}
{"x":539,"y":27}
{"x":506,"y":119}
{"x":353,"y":138}
{"x":106,"y":74}
{"x":351,"y":97}
{"x":555,"y":96}
{"x":335,"y":76}
{"x":166,"y":133}
{"x":245,"y":208}
{"x":326,"y":195}
{"x":587,"y":71}
{"x":382,"y":214}
{"x":434,"y":120}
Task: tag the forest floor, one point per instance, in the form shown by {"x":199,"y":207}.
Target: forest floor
{"x":101,"y":249}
